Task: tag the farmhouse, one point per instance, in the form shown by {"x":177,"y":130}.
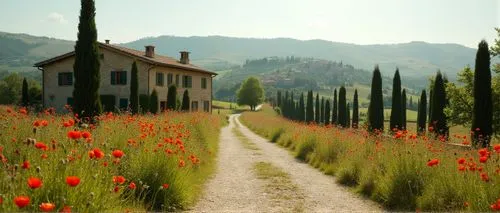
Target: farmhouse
{"x":155,"y":72}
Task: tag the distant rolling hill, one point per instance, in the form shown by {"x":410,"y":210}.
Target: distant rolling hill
{"x":18,"y":52}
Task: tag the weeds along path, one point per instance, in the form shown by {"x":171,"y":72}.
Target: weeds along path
{"x":321,"y":193}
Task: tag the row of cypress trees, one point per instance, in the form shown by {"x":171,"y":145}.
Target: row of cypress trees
{"x":319,"y":110}
{"x":171,"y":100}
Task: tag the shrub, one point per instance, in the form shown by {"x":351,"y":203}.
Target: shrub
{"x":108,"y":103}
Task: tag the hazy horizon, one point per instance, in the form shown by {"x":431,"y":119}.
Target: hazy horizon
{"x":463,"y":22}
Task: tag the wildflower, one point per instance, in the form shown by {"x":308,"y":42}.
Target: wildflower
{"x":44,"y":156}
{"x":483,"y":152}
{"x":23,"y":111}
{"x":47,"y":207}
{"x":461,"y":168}
{"x":75,"y":135}
{"x":483,"y":159}
{"x":44,"y":123}
{"x":96,"y":153}
{"x":181,"y":163}
{"x":41,"y":145}
{"x":433,"y":162}
{"x":165,"y":186}
{"x":461,"y":160}
{"x":66,"y":209}
{"x":72,"y":181}
{"x":22,"y":201}
{"x":34,"y":182}
{"x":497,"y":148}
{"x":119,"y":179}
{"x":36,"y":123}
{"x":26,"y":165}
{"x":484,"y":177}
{"x":86,"y":134}
{"x":118,"y":153}
{"x":116,"y":189}
{"x":132,"y":186}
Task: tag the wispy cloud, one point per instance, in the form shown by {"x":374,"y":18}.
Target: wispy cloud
{"x":57,"y":18}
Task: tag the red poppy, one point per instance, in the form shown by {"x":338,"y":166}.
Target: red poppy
{"x":41,"y":145}
{"x":22,"y":201}
{"x":86,"y":134}
{"x":26,"y":165}
{"x":72,"y":181}
{"x":497,"y":148}
{"x":96,"y":153}
{"x":483,"y":159}
{"x":119,"y":179}
{"x":132,"y":186}
{"x":165,"y":186}
{"x":181,"y":163}
{"x":483,"y":152}
{"x":44,"y":156}
{"x":47,"y":207}
{"x":44,"y":123}
{"x":23,"y":111}
{"x":1,"y":200}
{"x":484,"y":177}
{"x":461,"y":168}
{"x":75,"y":135}
{"x":36,"y":123}
{"x":34,"y":182}
{"x":66,"y":209}
{"x":118,"y":153}
{"x":433,"y":162}
{"x":116,"y":189}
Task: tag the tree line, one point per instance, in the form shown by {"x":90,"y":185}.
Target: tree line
{"x":432,"y":112}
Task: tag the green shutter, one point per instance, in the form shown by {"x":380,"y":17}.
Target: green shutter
{"x":123,"y":78}
{"x":113,"y":78}
{"x":59,"y":78}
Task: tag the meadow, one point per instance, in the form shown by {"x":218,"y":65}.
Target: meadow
{"x":123,"y":163}
{"x":403,"y":171}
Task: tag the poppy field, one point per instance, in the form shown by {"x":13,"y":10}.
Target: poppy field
{"x":403,"y":171}
{"x":122,"y":163}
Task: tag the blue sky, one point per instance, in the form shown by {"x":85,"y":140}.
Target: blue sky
{"x":464,"y":22}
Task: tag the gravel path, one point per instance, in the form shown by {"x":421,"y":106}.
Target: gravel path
{"x":235,"y":187}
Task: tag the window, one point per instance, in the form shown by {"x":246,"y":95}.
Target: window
{"x":203,"y":83}
{"x":159,"y":79}
{"x":177,"y":80}
{"x":119,"y":78}
{"x":187,"y":81}
{"x":194,"y":106}
{"x":123,"y":103}
{"x":206,"y":106}
{"x":65,"y":78}
{"x":170,"y":79}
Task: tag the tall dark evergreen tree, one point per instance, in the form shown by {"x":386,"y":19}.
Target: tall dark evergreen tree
{"x":322,"y":111}
{"x":292,"y":107}
{"x":327,"y":112}
{"x":25,"y":98}
{"x":403,"y":109}
{"x":348,"y":116}
{"x":134,"y":89}
{"x":286,"y":105}
{"x":430,"y":105}
{"x":438,"y":118}
{"x":342,"y":116}
{"x":278,"y":99}
{"x":86,"y":68}
{"x":482,"y":116}
{"x":355,"y":110}
{"x":172,"y":97}
{"x":309,"y":108}
{"x":153,"y":102}
{"x":316,"y":109}
{"x":422,"y":112}
{"x":185,"y":101}
{"x":302,"y":108}
{"x":410,"y":104}
{"x":376,"y":107}
{"x":396,"y":110}
{"x":335,"y":107}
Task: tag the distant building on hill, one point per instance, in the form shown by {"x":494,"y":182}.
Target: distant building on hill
{"x":155,"y":72}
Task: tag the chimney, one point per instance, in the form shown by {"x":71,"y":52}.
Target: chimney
{"x":150,"y":51}
{"x":184,"y":57}
{"x":107,"y":41}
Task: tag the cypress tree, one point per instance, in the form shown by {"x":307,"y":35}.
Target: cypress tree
{"x":302,"y":108}
{"x":355,"y":110}
{"x":185,"y":101}
{"x":25,"y":99}
{"x":430,"y":105}
{"x":322,"y":111}
{"x":348,"y":116}
{"x":134,"y":89}
{"x":172,"y":97}
{"x":403,"y":109}
{"x":438,"y":118}
{"x":335,"y":108}
{"x":327,"y":112}
{"x":285,"y":103}
{"x":342,"y":116}
{"x":376,"y":107}
{"x":396,"y":109}
{"x":292,"y":107}
{"x":410,"y":104}
{"x":309,"y":108}
{"x":316,"y":109}
{"x":86,"y":68}
{"x":422,"y":112}
{"x":279,"y":99}
{"x":153,"y":102}
{"x":482,"y":116}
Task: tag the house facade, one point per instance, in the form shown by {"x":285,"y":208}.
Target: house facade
{"x":154,"y":71}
